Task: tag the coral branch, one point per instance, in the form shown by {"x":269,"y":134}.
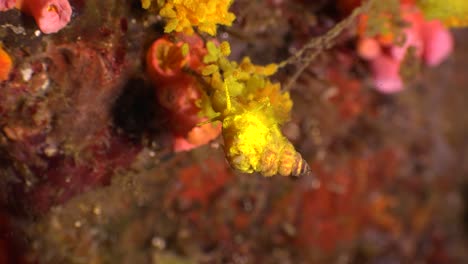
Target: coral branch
{"x":317,"y":45}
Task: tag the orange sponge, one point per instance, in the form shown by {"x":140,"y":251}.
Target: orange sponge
{"x":5,"y":65}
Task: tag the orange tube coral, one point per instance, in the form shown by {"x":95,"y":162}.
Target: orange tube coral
{"x":50,"y":15}
{"x":197,"y":136}
{"x":5,"y":65}
{"x":165,"y":60}
{"x":177,"y":90}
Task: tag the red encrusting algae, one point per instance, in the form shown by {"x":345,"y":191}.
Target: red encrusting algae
{"x":348,"y":96}
{"x":340,"y":204}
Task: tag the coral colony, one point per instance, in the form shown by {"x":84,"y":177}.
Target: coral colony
{"x":199,"y":85}
{"x":160,"y":127}
{"x":430,"y":39}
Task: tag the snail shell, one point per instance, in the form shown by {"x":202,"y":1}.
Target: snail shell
{"x":284,"y":161}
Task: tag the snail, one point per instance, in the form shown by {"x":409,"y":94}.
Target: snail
{"x":251,"y":110}
{"x":253,"y":141}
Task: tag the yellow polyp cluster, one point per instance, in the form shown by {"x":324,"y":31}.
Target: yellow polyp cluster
{"x":453,"y":13}
{"x":244,"y":83}
{"x":184,"y":15}
{"x":145,"y":4}
{"x":246,"y":136}
{"x":280,"y":102}
{"x":251,"y":109}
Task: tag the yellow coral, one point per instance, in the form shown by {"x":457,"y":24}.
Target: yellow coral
{"x":183,"y":15}
{"x":453,"y":13}
{"x":254,"y":143}
{"x":246,"y":134}
{"x":145,"y":4}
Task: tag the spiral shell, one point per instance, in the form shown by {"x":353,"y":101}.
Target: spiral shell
{"x":254,"y":143}
{"x":285,"y":162}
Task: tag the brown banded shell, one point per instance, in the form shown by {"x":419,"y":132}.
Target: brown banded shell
{"x":284,"y":161}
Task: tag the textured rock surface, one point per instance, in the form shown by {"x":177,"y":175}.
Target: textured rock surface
{"x":87,"y":175}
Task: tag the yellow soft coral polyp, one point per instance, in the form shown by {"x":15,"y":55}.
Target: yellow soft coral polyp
{"x":453,"y":13}
{"x":145,"y":4}
{"x":250,"y":135}
{"x":206,"y":15}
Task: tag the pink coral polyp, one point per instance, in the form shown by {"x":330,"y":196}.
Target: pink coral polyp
{"x":439,"y":42}
{"x":7,"y":4}
{"x":386,"y":77}
{"x":50,"y":15}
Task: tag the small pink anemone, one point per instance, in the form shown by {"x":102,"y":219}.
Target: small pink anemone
{"x":50,"y":15}
{"x":438,"y":42}
{"x":7,"y":4}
